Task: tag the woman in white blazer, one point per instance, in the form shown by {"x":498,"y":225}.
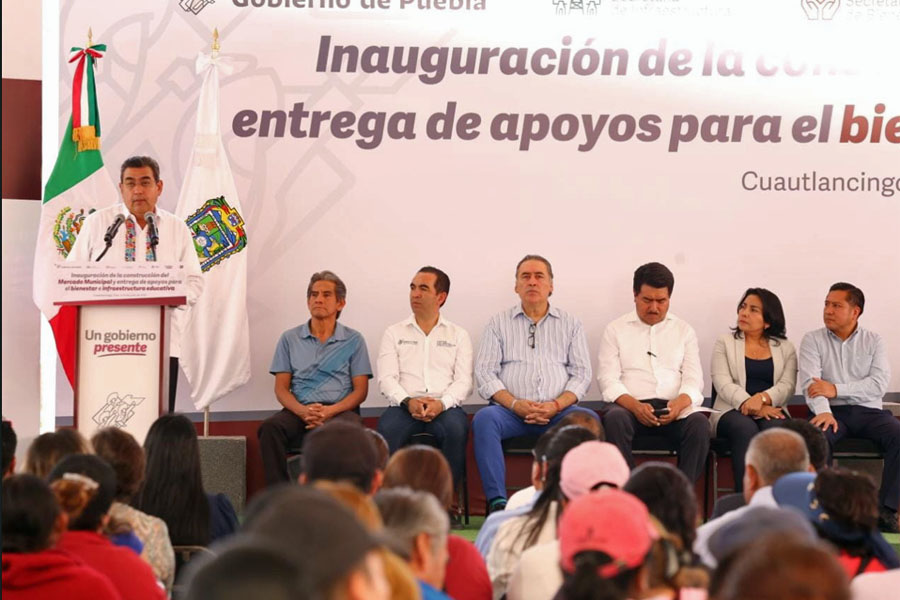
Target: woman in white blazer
{"x":754,"y":373}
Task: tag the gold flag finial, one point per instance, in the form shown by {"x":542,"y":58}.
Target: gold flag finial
{"x":90,"y":38}
{"x":215,"y":44}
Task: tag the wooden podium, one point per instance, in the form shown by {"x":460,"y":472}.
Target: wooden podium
{"x":123,"y":336}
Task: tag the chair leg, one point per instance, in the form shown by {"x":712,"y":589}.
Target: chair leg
{"x":465,"y":496}
{"x":715,"y":477}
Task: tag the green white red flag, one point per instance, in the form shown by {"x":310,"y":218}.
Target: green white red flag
{"x":77,"y":186}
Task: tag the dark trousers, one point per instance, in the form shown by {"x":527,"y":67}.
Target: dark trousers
{"x":281,"y":431}
{"x":739,"y":429}
{"x":690,"y":435}
{"x":881,"y":427}
{"x":450,"y":430}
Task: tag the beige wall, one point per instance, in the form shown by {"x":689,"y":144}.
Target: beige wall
{"x":21,"y":321}
{"x":21,"y":39}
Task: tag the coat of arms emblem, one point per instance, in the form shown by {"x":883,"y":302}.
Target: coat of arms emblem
{"x":218,"y":232}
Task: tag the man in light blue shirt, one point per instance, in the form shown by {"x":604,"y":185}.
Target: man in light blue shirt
{"x":321,"y":371}
{"x":844,"y":374}
{"x":533,"y":365}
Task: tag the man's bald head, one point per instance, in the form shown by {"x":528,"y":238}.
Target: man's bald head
{"x":776,"y":452}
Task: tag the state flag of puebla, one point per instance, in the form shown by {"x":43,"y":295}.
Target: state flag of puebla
{"x":214,"y":333}
{"x":78,"y":186}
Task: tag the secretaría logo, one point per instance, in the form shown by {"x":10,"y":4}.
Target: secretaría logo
{"x":194,"y":6}
{"x":576,"y":7}
{"x":117,"y":411}
{"x":820,"y":10}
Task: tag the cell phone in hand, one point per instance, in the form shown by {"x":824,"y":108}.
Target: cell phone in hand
{"x":660,"y":412}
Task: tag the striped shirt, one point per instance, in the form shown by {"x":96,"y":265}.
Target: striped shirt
{"x":559,"y":362}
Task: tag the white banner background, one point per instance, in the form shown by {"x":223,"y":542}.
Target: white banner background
{"x":473,"y":208}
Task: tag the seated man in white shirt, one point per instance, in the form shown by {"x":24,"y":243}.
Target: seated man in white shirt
{"x":132,"y":239}
{"x":425,"y":372}
{"x":650,"y":374}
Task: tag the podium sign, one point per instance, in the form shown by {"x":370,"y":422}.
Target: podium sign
{"x":122,"y":369}
{"x":122,"y":356}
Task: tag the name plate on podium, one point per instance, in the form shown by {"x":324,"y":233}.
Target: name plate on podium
{"x":93,"y":283}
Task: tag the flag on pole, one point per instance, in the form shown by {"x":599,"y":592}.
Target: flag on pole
{"x":78,"y":186}
{"x":214,"y":332}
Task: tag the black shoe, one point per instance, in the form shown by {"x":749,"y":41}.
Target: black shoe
{"x":456,"y":521}
{"x":495,"y":505}
{"x":887,"y":521}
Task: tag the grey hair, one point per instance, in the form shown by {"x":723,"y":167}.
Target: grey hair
{"x":340,"y":290}
{"x":406,"y":514}
{"x":777,"y":452}
{"x":537,"y":257}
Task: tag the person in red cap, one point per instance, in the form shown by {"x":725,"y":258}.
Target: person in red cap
{"x":586,"y":468}
{"x":605,"y":538}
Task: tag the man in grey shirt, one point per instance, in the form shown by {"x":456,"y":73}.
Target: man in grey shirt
{"x":844,"y":374}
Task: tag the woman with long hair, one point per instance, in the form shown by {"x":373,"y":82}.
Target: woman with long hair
{"x":539,"y":525}
{"x":754,"y":373}
{"x":173,"y":488}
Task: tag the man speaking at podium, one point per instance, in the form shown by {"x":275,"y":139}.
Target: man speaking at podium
{"x":138,"y":231}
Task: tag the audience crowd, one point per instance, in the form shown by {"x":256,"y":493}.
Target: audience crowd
{"x":107,"y":519}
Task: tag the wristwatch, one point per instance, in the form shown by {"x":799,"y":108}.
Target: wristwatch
{"x":405,"y":402}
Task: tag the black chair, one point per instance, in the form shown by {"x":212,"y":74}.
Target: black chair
{"x":718,"y":448}
{"x":462,"y":492}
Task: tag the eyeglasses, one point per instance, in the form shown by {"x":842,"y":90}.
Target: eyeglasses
{"x":531,"y":329}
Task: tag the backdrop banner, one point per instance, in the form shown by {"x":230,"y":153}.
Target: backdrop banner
{"x":740,"y":143}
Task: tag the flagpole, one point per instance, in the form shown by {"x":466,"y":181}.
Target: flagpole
{"x":215,"y":53}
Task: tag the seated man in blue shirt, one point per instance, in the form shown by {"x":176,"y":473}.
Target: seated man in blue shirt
{"x":533,"y":365}
{"x":321,"y":371}
{"x":844,"y":373}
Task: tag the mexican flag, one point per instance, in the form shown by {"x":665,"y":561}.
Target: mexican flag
{"x":77,"y":186}
{"x":214,"y":332}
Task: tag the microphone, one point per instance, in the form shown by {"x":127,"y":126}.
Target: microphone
{"x":113,"y":229}
{"x":110,"y":234}
{"x":152,"y":228}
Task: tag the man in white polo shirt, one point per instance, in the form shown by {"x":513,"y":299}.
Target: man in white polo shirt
{"x":425,"y":371}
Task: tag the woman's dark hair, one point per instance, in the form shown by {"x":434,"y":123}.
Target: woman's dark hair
{"x":773,"y":314}
{"x":29,"y":511}
{"x":173,"y":488}
{"x":564,"y":440}
{"x":125,"y":456}
{"x":850,"y":498}
{"x":420,"y":468}
{"x":587,"y":584}
{"x":656,"y":275}
{"x":669,"y":496}
{"x":84,"y":485}
{"x":49,"y":448}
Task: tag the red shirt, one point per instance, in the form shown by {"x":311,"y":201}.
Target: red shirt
{"x":53,"y":574}
{"x":466,"y":577}
{"x":851,"y":564}
{"x":131,"y":576}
